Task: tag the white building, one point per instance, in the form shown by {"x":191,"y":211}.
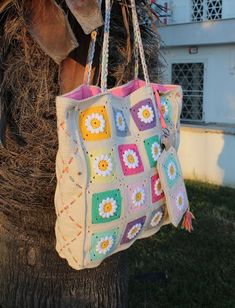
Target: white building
{"x":199,"y":39}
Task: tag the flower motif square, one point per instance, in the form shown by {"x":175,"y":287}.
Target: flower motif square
{"x":166,"y":109}
{"x":122,"y":129}
{"x":156,"y":218}
{"x":143,"y":114}
{"x":102,"y":165}
{"x":94,"y":123}
{"x":103,"y":244}
{"x":137,"y":197}
{"x":171,"y":170}
{"x":106,"y":206}
{"x":133,"y":230}
{"x":153,"y":149}
{"x":156,"y":188}
{"x":181,"y":200}
{"x":130,"y":159}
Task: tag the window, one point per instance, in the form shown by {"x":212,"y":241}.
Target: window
{"x":190,"y":76}
{"x":206,"y":10}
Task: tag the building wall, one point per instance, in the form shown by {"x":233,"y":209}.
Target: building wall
{"x":208,"y":155}
{"x":207,"y":151}
{"x":219,"y":78}
{"x":181,"y":10}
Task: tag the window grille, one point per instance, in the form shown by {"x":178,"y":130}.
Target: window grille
{"x":191,"y":77}
{"x":206,"y":10}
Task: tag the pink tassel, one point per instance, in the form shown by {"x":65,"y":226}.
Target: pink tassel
{"x":187,"y":221}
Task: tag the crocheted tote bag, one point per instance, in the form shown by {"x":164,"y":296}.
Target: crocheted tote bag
{"x":108,"y":193}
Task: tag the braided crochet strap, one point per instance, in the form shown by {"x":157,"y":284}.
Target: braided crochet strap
{"x":90,"y":57}
{"x":105,"y":49}
{"x":138,"y":43}
{"x":137,"y":36}
{"x":136,"y":55}
{"x":139,"y":40}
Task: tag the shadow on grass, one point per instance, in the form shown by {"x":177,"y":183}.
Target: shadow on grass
{"x":200,"y":266}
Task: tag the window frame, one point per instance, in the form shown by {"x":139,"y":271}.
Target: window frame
{"x":205,"y":88}
{"x":205,"y":11}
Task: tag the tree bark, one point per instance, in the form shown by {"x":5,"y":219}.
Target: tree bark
{"x":31,"y":272}
{"x":32,"y":275}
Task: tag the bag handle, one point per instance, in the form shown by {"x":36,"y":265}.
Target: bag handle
{"x":91,"y":54}
{"x":90,"y":58}
{"x":138,"y":48}
{"x":138,"y":40}
{"x":105,"y":50}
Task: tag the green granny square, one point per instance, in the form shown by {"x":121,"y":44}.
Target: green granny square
{"x":153,"y":149}
{"x":171,"y":170}
{"x":106,"y":206}
{"x":103,"y":244}
{"x":166,"y":107}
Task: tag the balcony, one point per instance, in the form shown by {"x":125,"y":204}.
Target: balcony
{"x":191,"y":11}
{"x":194,"y":22}
{"x":198,"y":33}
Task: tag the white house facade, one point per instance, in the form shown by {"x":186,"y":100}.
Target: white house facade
{"x":199,"y":51}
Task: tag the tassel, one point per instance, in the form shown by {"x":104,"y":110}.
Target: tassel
{"x":187,"y":221}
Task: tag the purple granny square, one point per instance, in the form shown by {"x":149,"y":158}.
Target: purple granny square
{"x":133,"y":229}
{"x":143,"y":114}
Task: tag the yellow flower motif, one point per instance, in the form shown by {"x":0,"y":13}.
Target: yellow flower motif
{"x":104,"y":245}
{"x":158,"y":188}
{"x":130,"y":159}
{"x":155,"y":150}
{"x":138,"y":197}
{"x":164,"y":108}
{"x":171,"y":170}
{"x":95,"y":123}
{"x":120,"y":121}
{"x":134,"y":231}
{"x":145,"y":114}
{"x":180,"y":201}
{"x":103,"y":165}
{"x":156,"y":219}
{"x":107,"y":207}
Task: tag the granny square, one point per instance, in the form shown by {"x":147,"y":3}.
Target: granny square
{"x":121,"y":126}
{"x":94,"y":123}
{"x":166,"y":108}
{"x":130,"y":159}
{"x":144,"y":115}
{"x":153,"y":149}
{"x":171,"y":170}
{"x":156,"y":218}
{"x":101,"y":165}
{"x":133,"y":229}
{"x":156,"y":189}
{"x":103,"y":244}
{"x":106,"y":206}
{"x":137,"y":197}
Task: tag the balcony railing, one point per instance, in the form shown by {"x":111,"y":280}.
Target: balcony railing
{"x":188,"y":11}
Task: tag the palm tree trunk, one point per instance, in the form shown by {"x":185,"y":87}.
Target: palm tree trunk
{"x":32,"y":275}
{"x":31,"y":272}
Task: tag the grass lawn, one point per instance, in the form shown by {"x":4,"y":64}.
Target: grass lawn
{"x":200,"y":266}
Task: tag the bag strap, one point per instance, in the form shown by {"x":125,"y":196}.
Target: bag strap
{"x":105,"y":50}
{"x":138,"y":48}
{"x":138,"y":39}
{"x":90,"y":56}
